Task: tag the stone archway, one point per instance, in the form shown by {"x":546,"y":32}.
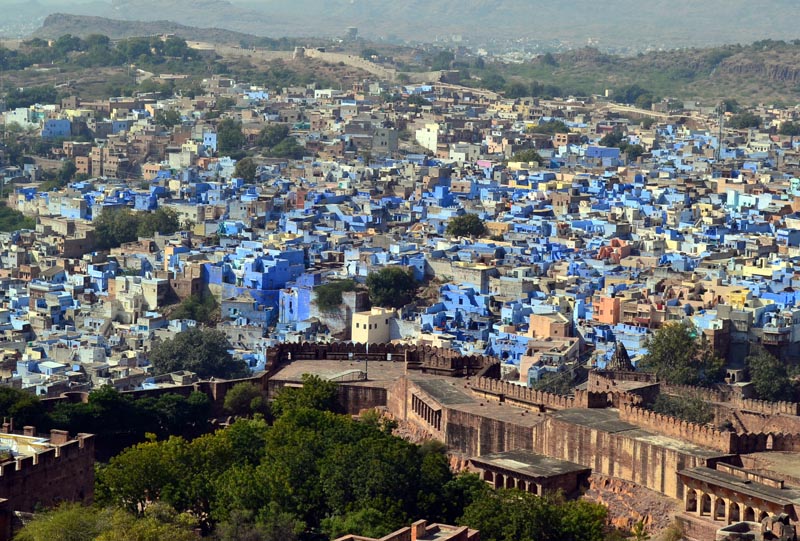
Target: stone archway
{"x":719,"y":509}
{"x":691,"y":500}
{"x":499,"y":481}
{"x":749,"y":514}
{"x":488,"y":476}
{"x":510,"y":482}
{"x":705,"y":505}
{"x":734,"y":514}
{"x":762,"y":515}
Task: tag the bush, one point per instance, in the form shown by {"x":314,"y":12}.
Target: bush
{"x":329,"y":296}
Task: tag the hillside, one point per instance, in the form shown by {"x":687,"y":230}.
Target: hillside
{"x":762,"y":72}
{"x":58,"y":24}
{"x":619,"y":25}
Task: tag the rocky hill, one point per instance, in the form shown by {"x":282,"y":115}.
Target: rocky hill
{"x":612,"y":24}
{"x":58,"y":24}
{"x":765,"y":71}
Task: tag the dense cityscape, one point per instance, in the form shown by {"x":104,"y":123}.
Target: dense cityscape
{"x":304,"y":292}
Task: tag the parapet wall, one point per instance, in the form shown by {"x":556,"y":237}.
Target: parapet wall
{"x":62,"y":473}
{"x":522,"y":396}
{"x":702,"y":435}
{"x":733,"y":401}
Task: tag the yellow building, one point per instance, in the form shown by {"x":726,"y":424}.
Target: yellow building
{"x":372,"y":327}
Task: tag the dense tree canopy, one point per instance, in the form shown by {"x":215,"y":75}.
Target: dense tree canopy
{"x":114,"y":227}
{"x":770,"y":377}
{"x":202,"y":351}
{"x":230,"y":137}
{"x":272,"y":134}
{"x":527,"y":156}
{"x":466,"y":225}
{"x":677,"y":355}
{"x":316,"y":394}
{"x":790,"y":128}
{"x":743,"y":121}
{"x":245,"y":399}
{"x":391,"y":287}
{"x":550,"y":127}
{"x":246,"y":169}
{"x":72,"y":522}
{"x":511,"y":515}
{"x":316,"y":471}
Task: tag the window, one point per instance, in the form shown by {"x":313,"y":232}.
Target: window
{"x":387,"y":321}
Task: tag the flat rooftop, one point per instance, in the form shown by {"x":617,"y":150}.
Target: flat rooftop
{"x":527,"y":463}
{"x":443,"y":391}
{"x":781,"y":496}
{"x":379,"y":373}
{"x":782,"y":463}
{"x":454,"y":394}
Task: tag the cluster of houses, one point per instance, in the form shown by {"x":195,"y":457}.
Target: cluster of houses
{"x":584,"y":248}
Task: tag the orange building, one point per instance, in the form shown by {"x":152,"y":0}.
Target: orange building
{"x":606,"y":310}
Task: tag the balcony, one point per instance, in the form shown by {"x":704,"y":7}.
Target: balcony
{"x":776,"y":336}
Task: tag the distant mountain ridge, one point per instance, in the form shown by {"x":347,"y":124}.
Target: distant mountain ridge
{"x":607,"y":23}
{"x":58,"y":24}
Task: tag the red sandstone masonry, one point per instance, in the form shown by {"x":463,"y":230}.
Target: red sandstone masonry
{"x":64,"y":473}
{"x":702,"y":435}
{"x":710,"y":395}
{"x":506,"y":391}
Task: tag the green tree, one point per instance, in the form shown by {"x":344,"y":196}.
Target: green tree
{"x":466,"y":225}
{"x":743,"y":121}
{"x":527,"y":156}
{"x":613,"y":138}
{"x":509,"y":515}
{"x":316,"y":393}
{"x":246,"y":169}
{"x":163,"y":221}
{"x":245,"y":399}
{"x":67,"y":171}
{"x":168,"y":117}
{"x":769,"y":376}
{"x":201,"y":309}
{"x":391,"y":286}
{"x":689,"y":408}
{"x":730,"y":106}
{"x":67,"y":522}
{"x":790,"y":128}
{"x":677,"y":355}
{"x":272,"y":134}
{"x":14,"y":220}
{"x":230,"y":137}
{"x":550,"y":127}
{"x":73,"y":522}
{"x":114,"y":227}
{"x":516,"y":90}
{"x":329,"y":296}
{"x":24,"y":407}
{"x":288,"y":148}
{"x":202,"y":351}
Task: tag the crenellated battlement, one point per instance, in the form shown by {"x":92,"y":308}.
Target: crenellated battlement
{"x":506,"y":391}
{"x":702,"y":435}
{"x":62,"y":471}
